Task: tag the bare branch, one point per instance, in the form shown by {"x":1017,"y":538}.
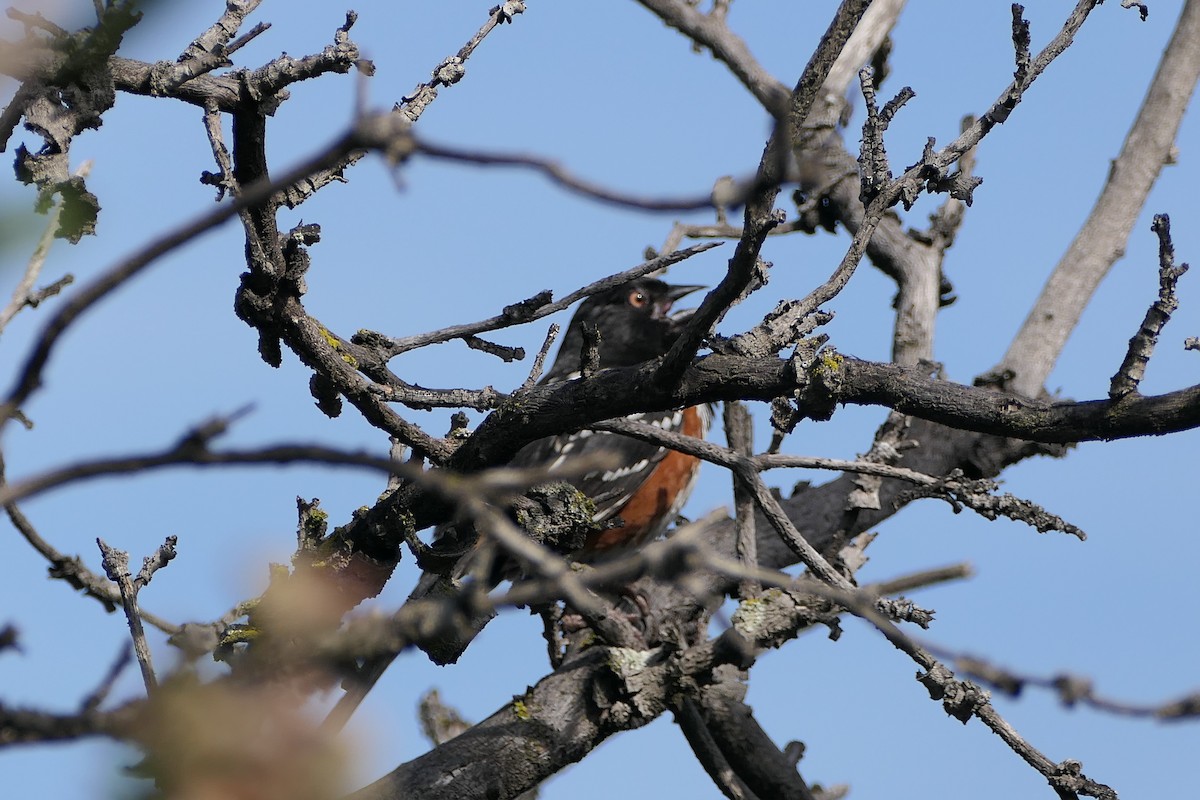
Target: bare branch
{"x":712,"y":33}
{"x":1142,"y":8}
{"x":874,"y":170}
{"x":190,"y":454}
{"x":503,"y":352}
{"x":867,"y":38}
{"x":539,"y":361}
{"x":37,"y":21}
{"x":223,"y":180}
{"x":743,"y":274}
{"x":978,"y":496}
{"x":452,"y":69}
{"x":960,"y":699}
{"x":1141,"y":346}
{"x":680,"y":231}
{"x":739,"y":432}
{"x":924,"y":578}
{"x":215,"y":40}
{"x":654,"y":674}
{"x":449,"y":71}
{"x":1101,"y":241}
{"x":273,"y":77}
{"x":72,"y":569}
{"x":563,"y":178}
{"x":830,"y":379}
{"x":753,"y":757}
{"x":1071,"y":690}
{"x":101,"y":692}
{"x":708,"y":753}
{"x":24,"y":726}
{"x":116,"y":565}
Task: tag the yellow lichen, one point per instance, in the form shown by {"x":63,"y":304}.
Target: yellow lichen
{"x":330,"y":339}
{"x":831,"y":360}
{"x":239,"y":635}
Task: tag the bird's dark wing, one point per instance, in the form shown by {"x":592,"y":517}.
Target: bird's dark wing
{"x":631,"y":461}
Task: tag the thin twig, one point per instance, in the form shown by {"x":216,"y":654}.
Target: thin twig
{"x":680,"y":231}
{"x":410,"y":108}
{"x":116,"y":565}
{"x":563,"y":178}
{"x":921,"y":579}
{"x":247,"y":37}
{"x":224,"y":179}
{"x":105,"y":687}
{"x":215,"y":39}
{"x":72,"y":570}
{"x":1141,"y":345}
{"x":539,"y":361}
{"x":187,"y":453}
{"x":538,"y":306}
{"x":451,"y":70}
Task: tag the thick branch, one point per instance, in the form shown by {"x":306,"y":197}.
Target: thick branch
{"x":833,"y":380}
{"x":553,"y":724}
{"x":750,"y":752}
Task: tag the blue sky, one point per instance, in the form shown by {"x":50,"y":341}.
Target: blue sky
{"x":619,"y":98}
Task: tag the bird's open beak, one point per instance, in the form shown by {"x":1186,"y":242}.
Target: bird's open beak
{"x":674,"y":293}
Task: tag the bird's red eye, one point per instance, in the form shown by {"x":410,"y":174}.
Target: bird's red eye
{"x":638,"y":299}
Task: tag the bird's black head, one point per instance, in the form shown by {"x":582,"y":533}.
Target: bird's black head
{"x":634,"y":322}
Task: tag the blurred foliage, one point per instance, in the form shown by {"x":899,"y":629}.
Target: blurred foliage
{"x":20,"y":228}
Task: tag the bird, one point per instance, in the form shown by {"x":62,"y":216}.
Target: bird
{"x":638,"y":498}
{"x":635,"y":500}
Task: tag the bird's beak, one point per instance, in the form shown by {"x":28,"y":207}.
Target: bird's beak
{"x":676,"y":292}
{"x":673,"y":294}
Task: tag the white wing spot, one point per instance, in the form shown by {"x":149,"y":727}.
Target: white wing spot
{"x":673,"y":422}
{"x":616,"y":474}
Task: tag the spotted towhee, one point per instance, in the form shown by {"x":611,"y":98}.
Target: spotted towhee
{"x":640,"y":496}
{"x":636,"y":499}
